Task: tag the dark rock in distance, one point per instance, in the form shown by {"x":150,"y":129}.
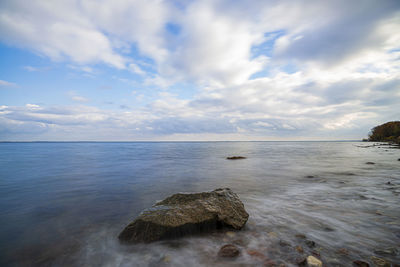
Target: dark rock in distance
{"x":228,"y":251}
{"x":185,"y":214}
{"x":235,"y":157}
{"x":370,"y":163}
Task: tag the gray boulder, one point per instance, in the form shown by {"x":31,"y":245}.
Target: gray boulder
{"x":186,"y":214}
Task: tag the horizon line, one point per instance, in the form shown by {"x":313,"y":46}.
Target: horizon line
{"x":183,"y":141}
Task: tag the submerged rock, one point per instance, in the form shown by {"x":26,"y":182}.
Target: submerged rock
{"x":228,"y":251}
{"x":370,"y":163}
{"x":185,"y":214}
{"x":236,"y":157}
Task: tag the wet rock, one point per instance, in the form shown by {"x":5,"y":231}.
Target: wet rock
{"x":398,"y":159}
{"x":185,"y":214}
{"x":389,"y":183}
{"x":370,"y":163}
{"x":313,"y":262}
{"x":235,"y":157}
{"x":310,"y":243}
{"x":387,"y":251}
{"x":360,"y":263}
{"x":256,"y":254}
{"x":363,"y":197}
{"x":228,"y":251}
{"x":299,"y":249}
{"x":310,"y":176}
{"x":380,"y":262}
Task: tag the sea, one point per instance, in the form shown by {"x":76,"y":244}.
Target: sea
{"x":64,"y":204}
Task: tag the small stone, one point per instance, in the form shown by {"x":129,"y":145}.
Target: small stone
{"x":342,"y":251}
{"x":380,"y":262}
{"x":299,"y":249}
{"x":389,"y":182}
{"x":228,"y":251}
{"x":310,"y":243}
{"x":370,"y":163}
{"x":310,"y":176}
{"x":378,"y":213}
{"x":398,"y":159}
{"x":256,"y":254}
{"x":301,"y":236}
{"x":360,"y":263}
{"x":313,"y":262}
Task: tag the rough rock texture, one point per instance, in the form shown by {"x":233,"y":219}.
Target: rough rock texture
{"x":228,"y":251}
{"x":185,"y":214}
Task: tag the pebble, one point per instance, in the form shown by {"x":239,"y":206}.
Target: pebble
{"x":360,"y":263}
{"x":228,"y":251}
{"x":299,"y":249}
{"x":313,"y":262}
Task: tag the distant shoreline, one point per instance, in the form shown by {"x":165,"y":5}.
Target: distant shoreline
{"x":280,"y":141}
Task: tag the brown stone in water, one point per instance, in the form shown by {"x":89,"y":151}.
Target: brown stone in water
{"x":228,"y":251}
{"x":299,"y":249}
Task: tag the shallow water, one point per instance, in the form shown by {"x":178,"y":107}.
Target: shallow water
{"x":63,"y":204}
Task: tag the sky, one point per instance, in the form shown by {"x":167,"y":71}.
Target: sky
{"x":153,"y":70}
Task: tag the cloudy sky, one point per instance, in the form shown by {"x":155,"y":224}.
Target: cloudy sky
{"x":197,"y":70}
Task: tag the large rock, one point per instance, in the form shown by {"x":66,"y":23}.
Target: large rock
{"x":185,"y":214}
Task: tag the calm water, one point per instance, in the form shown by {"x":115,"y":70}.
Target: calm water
{"x":63,"y":204}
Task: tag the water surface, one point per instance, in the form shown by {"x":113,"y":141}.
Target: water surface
{"x":63,"y":204}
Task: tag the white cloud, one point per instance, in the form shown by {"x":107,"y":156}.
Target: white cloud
{"x":263,"y":68}
{"x":6,"y":84}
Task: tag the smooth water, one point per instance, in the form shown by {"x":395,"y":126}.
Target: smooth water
{"x":63,"y":204}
